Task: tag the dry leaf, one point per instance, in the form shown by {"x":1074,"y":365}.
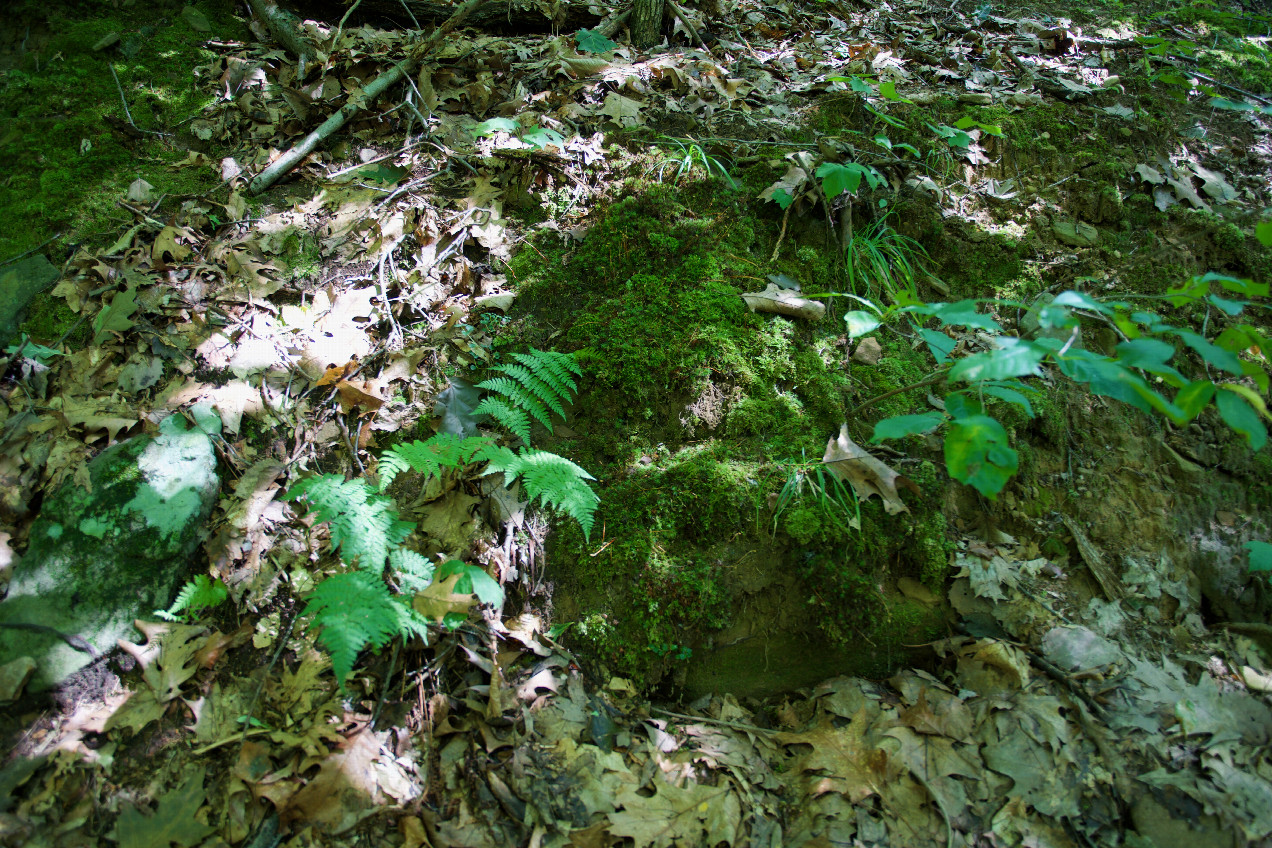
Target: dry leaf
{"x":868,"y":476}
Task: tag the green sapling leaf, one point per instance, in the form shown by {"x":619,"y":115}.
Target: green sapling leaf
{"x":591,"y":41}
{"x":900,"y":426}
{"x":977,"y":453}
{"x":860,"y":322}
{"x":1241,"y":417}
{"x":1260,"y":555}
{"x":490,"y":127}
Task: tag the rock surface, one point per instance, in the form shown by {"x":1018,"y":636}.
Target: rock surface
{"x":19,"y":283}
{"x":1076,"y":234}
{"x":100,"y":559}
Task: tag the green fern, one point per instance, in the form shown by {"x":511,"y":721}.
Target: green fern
{"x":354,"y":611}
{"x":445,"y":450}
{"x":413,"y":571}
{"x":540,"y":385}
{"x":194,"y":597}
{"x":549,"y":478}
{"x":364,"y":526}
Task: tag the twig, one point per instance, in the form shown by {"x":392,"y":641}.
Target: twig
{"x":47,"y":241}
{"x":358,"y":101}
{"x":928,"y":382}
{"x":335,"y":40}
{"x":122,"y":99}
{"x":680,"y":13}
{"x":408,"y":11}
{"x":777,"y":247}
{"x":737,"y":725}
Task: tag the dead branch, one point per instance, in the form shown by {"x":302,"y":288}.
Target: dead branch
{"x":283,"y":26}
{"x":358,"y":101}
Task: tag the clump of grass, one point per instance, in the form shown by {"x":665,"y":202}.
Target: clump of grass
{"x":882,"y":263}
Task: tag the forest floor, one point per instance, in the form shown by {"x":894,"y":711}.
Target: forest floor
{"x":738,"y":652}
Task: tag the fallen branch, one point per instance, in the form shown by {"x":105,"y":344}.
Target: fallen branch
{"x":358,"y":101}
{"x":283,"y":26}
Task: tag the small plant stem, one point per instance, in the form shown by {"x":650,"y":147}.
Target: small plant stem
{"x":777,"y":247}
{"x":122,"y":99}
{"x":936,"y":378}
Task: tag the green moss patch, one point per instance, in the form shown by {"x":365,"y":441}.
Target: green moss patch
{"x":65,"y":139}
{"x":693,"y":414}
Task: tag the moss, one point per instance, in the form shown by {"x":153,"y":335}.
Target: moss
{"x":48,"y":319}
{"x":65,"y":167}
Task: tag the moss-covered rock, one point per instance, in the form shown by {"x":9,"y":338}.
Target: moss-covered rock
{"x":101,"y":557}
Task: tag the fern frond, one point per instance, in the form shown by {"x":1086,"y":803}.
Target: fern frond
{"x":516,"y":420}
{"x":353,"y":611}
{"x":540,"y":389}
{"x":364,"y":526}
{"x":519,"y":396}
{"x":549,"y":478}
{"x":445,"y":450}
{"x":413,"y":571}
{"x":556,"y":369}
{"x":195,"y":596}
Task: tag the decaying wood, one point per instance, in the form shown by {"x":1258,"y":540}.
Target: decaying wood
{"x":359,"y":101}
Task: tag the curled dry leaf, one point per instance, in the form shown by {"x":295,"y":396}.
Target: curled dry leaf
{"x":851,"y":463}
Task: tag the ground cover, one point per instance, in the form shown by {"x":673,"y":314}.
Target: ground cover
{"x":763,"y":635}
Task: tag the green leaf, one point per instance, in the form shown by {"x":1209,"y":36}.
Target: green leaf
{"x":939,"y":343}
{"x":888,"y":91}
{"x":1191,"y":290}
{"x":549,"y":478}
{"x":837,"y":179}
{"x":494,"y":125}
{"x":117,"y":317}
{"x":977,"y":453}
{"x":1231,"y":307}
{"x":1112,"y":379}
{"x":364,"y":526}
{"x":968,"y":122}
{"x":473,"y":580}
{"x":1260,"y":555}
{"x":782,"y":198}
{"x":963,"y":404}
{"x":174,"y":820}
{"x":1249,"y":288}
{"x":1011,"y":396}
{"x":541,"y":137}
{"x":1192,"y":398}
{"x":1081,"y":301}
{"x":962,"y":314}
{"x":1242,"y":418}
{"x":1231,"y":105}
{"x":900,"y":426}
{"x":951,"y":136}
{"x":1263,"y":232}
{"x":1213,"y":354}
{"x":353,"y":611}
{"x":860,"y":322}
{"x":591,"y":41}
{"x":1015,"y":358}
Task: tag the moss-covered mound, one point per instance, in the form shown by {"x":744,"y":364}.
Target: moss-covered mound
{"x":694,"y":415}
